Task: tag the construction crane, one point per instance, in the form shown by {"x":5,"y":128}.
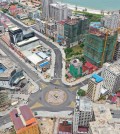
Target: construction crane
{"x":105,"y":44}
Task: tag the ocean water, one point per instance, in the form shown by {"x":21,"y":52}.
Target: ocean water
{"x":95,"y":4}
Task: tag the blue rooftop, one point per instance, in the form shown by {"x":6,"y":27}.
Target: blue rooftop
{"x":44,"y":64}
{"x":95,"y":24}
{"x":97,"y":78}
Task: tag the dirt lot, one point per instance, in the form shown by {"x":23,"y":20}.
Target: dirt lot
{"x":46,"y":125}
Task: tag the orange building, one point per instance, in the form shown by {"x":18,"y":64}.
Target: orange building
{"x":24,"y":121}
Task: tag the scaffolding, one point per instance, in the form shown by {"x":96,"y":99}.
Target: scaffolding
{"x":73,"y":28}
{"x":99,"y":47}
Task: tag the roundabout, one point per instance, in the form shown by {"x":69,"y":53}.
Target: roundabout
{"x":56,"y":97}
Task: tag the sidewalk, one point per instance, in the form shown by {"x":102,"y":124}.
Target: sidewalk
{"x":63,"y":58}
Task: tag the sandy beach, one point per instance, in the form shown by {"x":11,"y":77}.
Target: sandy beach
{"x":72,"y":7}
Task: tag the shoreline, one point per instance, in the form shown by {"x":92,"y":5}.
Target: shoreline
{"x":89,"y":10}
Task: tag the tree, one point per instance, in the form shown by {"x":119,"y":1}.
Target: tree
{"x":81,"y":92}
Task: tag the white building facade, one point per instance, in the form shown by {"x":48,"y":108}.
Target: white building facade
{"x":111,"y":21}
{"x":83,"y":113}
{"x":111,"y":76}
{"x":46,"y":9}
{"x":59,"y":11}
{"x":94,"y":87}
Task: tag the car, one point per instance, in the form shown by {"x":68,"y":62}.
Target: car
{"x":22,"y":85}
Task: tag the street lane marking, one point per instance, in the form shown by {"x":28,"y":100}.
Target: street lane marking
{"x":36,"y":105}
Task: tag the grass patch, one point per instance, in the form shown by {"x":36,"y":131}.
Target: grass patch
{"x":28,"y":22}
{"x":74,"y":51}
{"x":91,"y":17}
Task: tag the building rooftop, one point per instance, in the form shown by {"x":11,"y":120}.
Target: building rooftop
{"x":7,"y":65}
{"x":104,"y":123}
{"x":22,"y":117}
{"x":59,"y":5}
{"x":115,"y":68}
{"x":83,"y":104}
{"x":97,"y":78}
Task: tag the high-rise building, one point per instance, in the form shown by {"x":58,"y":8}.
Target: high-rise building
{"x":59,"y":11}
{"x":24,"y":121}
{"x":83,"y":114}
{"x":117,"y":49}
{"x":74,"y":28}
{"x":46,"y":9}
{"x":111,"y":75}
{"x":94,"y":87}
{"x":111,"y":22}
{"x":99,"y":44}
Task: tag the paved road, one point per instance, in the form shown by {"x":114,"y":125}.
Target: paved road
{"x":58,"y":68}
{"x":12,"y":56}
{"x":58,"y":62}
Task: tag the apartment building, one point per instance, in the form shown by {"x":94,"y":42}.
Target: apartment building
{"x":94,"y":87}
{"x":111,"y":22}
{"x":83,"y":114}
{"x":111,"y":75}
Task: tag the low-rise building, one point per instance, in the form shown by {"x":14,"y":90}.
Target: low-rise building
{"x":35,"y":14}
{"x":41,"y":26}
{"x":24,"y":121}
{"x":75,"y":68}
{"x":104,"y":123}
{"x":94,"y":87}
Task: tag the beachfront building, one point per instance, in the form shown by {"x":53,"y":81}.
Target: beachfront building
{"x":59,"y":11}
{"x":111,"y":75}
{"x":74,"y":28}
{"x":94,"y":87}
{"x":99,"y":44}
{"x":83,"y":114}
{"x":111,"y":22}
{"x":24,"y":121}
{"x":46,"y":9}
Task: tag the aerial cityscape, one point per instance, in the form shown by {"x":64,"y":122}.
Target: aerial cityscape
{"x":59,"y":67}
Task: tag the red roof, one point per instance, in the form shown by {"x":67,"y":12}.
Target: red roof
{"x":12,"y":7}
{"x":65,"y":127}
{"x":62,"y":22}
{"x":25,"y":112}
{"x":118,"y":94}
{"x":16,"y":120}
{"x":82,"y":129}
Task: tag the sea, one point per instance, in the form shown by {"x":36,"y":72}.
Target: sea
{"x":109,"y":5}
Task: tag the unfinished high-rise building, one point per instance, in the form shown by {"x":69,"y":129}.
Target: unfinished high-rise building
{"x":74,"y":28}
{"x":100,"y":44}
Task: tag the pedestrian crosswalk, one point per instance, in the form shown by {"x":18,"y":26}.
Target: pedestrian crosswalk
{"x":43,"y":85}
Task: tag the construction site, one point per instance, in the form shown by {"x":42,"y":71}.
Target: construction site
{"x":74,"y":28}
{"x":100,"y":44}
